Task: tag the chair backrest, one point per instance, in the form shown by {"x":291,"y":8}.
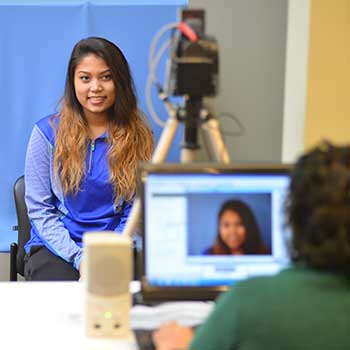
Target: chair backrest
{"x":24,"y":226}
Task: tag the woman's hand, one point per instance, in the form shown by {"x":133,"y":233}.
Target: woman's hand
{"x":172,"y":336}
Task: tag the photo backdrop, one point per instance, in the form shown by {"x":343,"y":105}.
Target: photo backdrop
{"x":36,"y":39}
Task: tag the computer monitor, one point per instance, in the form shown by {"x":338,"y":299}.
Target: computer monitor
{"x":180,"y":208}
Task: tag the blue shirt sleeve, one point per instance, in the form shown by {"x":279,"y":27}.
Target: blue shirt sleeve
{"x":43,"y":215}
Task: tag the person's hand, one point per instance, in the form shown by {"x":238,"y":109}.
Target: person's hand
{"x":172,"y":336}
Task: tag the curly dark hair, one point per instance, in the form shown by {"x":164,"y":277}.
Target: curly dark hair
{"x":253,"y":243}
{"x":318,"y":208}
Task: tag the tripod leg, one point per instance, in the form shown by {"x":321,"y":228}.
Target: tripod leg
{"x":165,"y":140}
{"x":160,"y":153}
{"x":133,"y":219}
{"x":217,"y":140}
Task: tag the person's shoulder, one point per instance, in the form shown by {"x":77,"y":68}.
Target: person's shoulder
{"x":257,"y":291}
{"x":290,"y":279}
{"x":46,"y":126}
{"x":268,"y":283}
{"x":208,"y":251}
{"x":47,"y":121}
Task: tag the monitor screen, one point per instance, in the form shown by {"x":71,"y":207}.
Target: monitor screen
{"x":206,"y":227}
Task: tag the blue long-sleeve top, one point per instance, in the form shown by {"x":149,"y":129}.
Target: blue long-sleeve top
{"x":59,"y":221}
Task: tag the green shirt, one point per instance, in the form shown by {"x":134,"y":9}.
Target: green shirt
{"x":298,"y":308}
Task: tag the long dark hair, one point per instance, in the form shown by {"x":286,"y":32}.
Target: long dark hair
{"x":126,"y":103}
{"x":318,"y":208}
{"x":253,"y":243}
{"x":129,"y":135}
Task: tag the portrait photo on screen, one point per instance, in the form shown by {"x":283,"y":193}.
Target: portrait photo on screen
{"x":229,"y":224}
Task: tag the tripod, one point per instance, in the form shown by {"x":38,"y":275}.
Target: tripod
{"x":191,"y":116}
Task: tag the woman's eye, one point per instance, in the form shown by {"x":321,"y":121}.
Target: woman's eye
{"x":84,"y":78}
{"x":107,"y":77}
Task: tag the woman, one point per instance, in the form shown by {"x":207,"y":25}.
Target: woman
{"x":238,"y":231}
{"x":308,"y":305}
{"x":80,"y":169}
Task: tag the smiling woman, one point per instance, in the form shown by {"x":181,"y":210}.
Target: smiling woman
{"x":238,"y":231}
{"x":80,"y":169}
{"x":95,"y":91}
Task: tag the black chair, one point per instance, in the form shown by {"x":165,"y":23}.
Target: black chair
{"x":23,"y":227}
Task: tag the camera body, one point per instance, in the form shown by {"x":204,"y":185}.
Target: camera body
{"x":194,"y":65}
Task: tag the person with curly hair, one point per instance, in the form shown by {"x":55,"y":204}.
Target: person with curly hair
{"x":306,"y":306}
{"x":238,"y":231}
{"x":81,"y":163}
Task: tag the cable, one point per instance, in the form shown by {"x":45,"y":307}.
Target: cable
{"x":152,"y":77}
{"x":233,"y":117}
{"x":207,"y":126}
{"x":154,"y":63}
{"x":156,"y":38}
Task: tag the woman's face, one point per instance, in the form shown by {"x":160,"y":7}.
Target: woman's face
{"x":232,"y":231}
{"x":94,"y":86}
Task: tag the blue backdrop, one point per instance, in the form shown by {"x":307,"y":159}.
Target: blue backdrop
{"x":36,"y":38}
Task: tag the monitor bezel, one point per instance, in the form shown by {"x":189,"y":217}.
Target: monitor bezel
{"x":152,"y":293}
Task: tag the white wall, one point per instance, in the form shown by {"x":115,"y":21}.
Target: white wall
{"x":252,"y":38}
{"x":296,"y":79}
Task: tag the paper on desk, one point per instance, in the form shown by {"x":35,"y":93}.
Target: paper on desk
{"x":189,"y":314}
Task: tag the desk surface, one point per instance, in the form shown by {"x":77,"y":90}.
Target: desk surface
{"x":48,"y":315}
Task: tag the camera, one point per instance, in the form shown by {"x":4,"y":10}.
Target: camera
{"x":194,"y":64}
